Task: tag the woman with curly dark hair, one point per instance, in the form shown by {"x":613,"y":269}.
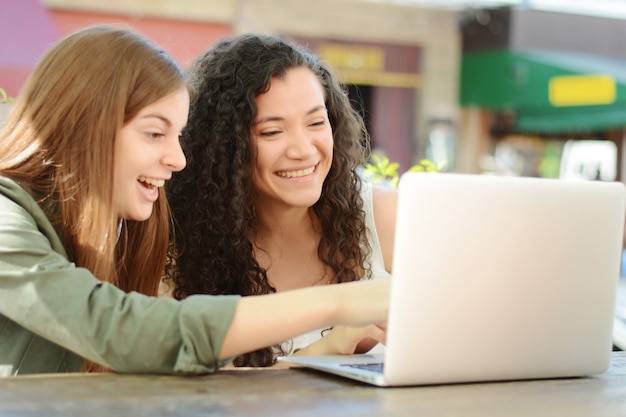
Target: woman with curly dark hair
{"x":271,"y":199}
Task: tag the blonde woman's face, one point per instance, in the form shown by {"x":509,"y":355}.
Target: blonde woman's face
{"x":147,"y":152}
{"x":293,"y":140}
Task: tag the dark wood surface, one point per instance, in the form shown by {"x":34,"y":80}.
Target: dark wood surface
{"x":296,"y":392}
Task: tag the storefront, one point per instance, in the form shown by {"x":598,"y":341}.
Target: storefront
{"x":538,"y":100}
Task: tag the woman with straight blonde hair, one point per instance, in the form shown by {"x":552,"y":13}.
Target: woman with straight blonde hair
{"x":84,"y":231}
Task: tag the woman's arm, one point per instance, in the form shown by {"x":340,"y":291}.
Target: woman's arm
{"x":265,"y":320}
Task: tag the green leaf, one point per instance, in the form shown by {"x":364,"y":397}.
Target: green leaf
{"x":382,"y":170}
{"x":4,"y":98}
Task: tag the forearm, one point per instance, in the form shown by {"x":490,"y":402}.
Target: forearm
{"x":261,"y":321}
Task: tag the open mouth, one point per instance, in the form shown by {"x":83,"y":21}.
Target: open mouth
{"x":150,"y":183}
{"x":297,"y":173}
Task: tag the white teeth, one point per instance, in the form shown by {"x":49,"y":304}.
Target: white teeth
{"x":152,"y":181}
{"x":295,"y":174}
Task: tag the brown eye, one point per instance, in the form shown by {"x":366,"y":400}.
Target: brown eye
{"x":155,"y":135}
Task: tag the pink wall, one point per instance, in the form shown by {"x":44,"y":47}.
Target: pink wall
{"x":28,"y":29}
{"x":26,"y":32}
{"x":184,"y":40}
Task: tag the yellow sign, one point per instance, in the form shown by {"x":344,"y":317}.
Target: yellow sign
{"x":365,"y":65}
{"x":380,"y":78}
{"x":582,"y":90}
{"x":354,"y":58}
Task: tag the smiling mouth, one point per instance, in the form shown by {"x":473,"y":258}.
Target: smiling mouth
{"x":297,"y":173}
{"x":151,"y":183}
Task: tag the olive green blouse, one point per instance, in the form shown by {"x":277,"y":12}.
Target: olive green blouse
{"x":53,"y":313}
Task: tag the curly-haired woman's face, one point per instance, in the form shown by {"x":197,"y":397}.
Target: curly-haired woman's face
{"x":293,"y":139}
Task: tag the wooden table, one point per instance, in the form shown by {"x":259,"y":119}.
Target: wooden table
{"x":291,"y":392}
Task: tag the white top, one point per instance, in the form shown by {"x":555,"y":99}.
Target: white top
{"x":375,"y":262}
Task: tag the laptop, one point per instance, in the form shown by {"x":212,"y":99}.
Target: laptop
{"x":496,"y":278}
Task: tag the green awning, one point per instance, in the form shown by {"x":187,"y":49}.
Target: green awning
{"x":547,"y":91}
{"x":554,"y":121}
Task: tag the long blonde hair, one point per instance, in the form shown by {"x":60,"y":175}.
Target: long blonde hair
{"x":58,"y":142}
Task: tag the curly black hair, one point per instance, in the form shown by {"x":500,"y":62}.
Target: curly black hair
{"x":213,"y":199}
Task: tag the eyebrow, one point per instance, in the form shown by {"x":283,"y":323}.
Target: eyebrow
{"x":164,"y":119}
{"x":277,"y":118}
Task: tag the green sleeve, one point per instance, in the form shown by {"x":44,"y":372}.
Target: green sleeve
{"x":45,"y":294}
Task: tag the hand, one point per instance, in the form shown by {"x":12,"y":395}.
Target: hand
{"x":363,"y":302}
{"x":345,"y":340}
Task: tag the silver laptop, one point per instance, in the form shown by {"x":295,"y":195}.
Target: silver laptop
{"x":496,"y":278}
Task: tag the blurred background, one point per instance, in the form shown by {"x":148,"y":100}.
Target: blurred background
{"x":527,"y":88}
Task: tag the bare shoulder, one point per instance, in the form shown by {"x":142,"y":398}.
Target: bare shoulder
{"x":385,"y":202}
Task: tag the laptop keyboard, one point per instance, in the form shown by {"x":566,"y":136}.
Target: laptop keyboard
{"x":374,"y":367}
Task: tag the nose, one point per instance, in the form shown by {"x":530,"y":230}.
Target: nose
{"x":301,"y":145}
{"x":174,"y":157}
